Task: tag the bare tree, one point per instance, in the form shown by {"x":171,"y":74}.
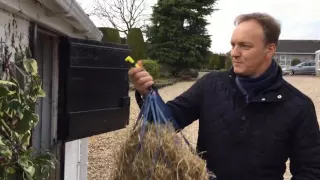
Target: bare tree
{"x":121,"y":14}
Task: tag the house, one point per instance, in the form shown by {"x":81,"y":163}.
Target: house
{"x":73,"y":64}
{"x":304,"y":50}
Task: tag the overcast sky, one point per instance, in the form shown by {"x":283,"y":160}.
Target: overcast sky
{"x":300,"y":19}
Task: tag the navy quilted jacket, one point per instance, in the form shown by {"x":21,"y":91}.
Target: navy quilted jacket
{"x":251,"y":140}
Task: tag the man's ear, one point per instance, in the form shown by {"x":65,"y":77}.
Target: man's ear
{"x":271,"y":50}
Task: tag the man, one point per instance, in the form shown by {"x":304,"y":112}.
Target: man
{"x":250,"y":119}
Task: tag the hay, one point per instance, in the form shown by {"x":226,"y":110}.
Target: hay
{"x":163,"y":156}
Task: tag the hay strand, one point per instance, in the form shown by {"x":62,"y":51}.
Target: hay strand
{"x":158,"y":154}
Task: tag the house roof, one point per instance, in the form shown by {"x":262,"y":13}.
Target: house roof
{"x":52,"y":12}
{"x":298,"y":46}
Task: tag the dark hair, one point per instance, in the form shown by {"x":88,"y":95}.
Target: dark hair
{"x":271,"y":27}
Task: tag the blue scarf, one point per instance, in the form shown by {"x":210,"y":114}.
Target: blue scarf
{"x":253,"y":86}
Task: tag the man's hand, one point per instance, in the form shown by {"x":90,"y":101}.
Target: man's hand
{"x":141,"y":79}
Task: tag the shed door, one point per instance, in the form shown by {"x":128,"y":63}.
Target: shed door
{"x":42,"y":137}
{"x":93,"y":88}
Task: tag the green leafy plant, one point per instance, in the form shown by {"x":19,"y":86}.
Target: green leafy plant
{"x":110,"y":35}
{"x":178,"y":34}
{"x":214,"y":62}
{"x":137,"y":44}
{"x":17,"y":119}
{"x":152,"y":67}
{"x":228,"y":62}
{"x":18,"y":160}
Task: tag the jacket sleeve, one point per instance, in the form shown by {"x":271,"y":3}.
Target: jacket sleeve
{"x":186,"y":107}
{"x":305,"y":152}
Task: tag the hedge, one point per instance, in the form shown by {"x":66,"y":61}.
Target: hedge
{"x":110,"y":35}
{"x":136,"y":43}
{"x":152,"y":67}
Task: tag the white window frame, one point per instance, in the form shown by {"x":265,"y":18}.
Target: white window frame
{"x":317,"y":59}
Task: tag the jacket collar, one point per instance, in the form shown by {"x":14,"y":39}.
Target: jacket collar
{"x":274,"y":93}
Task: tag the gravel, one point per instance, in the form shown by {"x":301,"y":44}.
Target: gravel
{"x":101,"y":147}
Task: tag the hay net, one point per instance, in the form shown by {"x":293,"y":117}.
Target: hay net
{"x":154,"y":150}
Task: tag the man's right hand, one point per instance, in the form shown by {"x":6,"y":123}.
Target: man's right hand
{"x":141,"y":79}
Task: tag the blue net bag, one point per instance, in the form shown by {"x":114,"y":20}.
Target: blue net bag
{"x":155,"y":150}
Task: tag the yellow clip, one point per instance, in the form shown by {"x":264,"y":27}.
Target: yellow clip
{"x":130,"y":60}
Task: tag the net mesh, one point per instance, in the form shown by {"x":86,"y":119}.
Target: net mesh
{"x":155,"y":150}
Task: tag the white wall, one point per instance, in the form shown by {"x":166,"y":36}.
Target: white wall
{"x":22,"y":28}
{"x":76,"y":160}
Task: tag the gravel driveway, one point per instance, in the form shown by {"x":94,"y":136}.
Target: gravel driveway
{"x":101,"y":147}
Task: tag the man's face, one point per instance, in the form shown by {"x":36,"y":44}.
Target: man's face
{"x":250,"y":55}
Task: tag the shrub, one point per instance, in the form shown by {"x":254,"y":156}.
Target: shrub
{"x":228,"y":62}
{"x":223,"y":58}
{"x":206,"y":60}
{"x":295,"y":62}
{"x":194,"y":73}
{"x":136,"y":43}
{"x":152,"y":67}
{"x":18,"y":118}
{"x":187,"y":74}
{"x":110,"y":35}
{"x":214,"y":62}
{"x":165,"y":70}
{"x":123,"y":40}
